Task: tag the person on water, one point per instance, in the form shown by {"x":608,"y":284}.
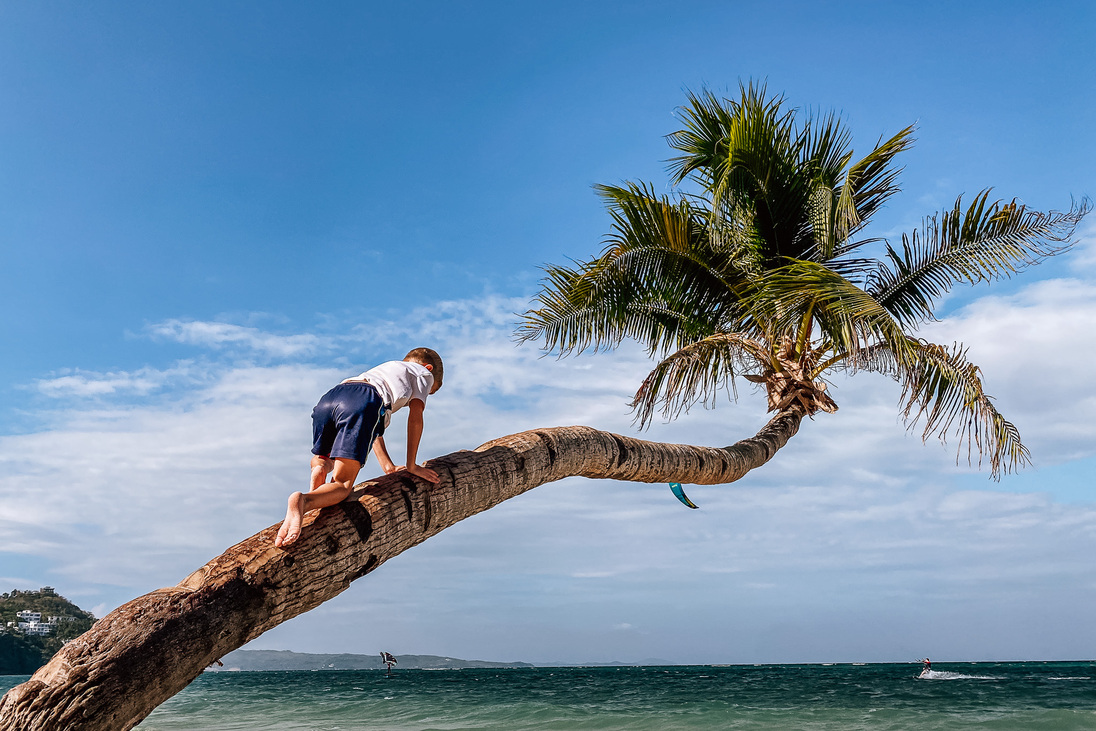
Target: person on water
{"x":927,"y":666}
{"x":350,"y":419}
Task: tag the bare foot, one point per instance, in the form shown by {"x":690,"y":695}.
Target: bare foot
{"x":291,"y":526}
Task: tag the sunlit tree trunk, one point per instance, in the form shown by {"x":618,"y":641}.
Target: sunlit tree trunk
{"x":145,"y":651}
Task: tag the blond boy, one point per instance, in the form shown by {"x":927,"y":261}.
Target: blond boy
{"x":350,"y":419}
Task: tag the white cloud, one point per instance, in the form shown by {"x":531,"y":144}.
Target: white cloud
{"x":852,"y":530}
{"x":1036,"y":352}
{"x":173,"y":479}
{"x":1083,"y":255}
{"x":143,"y":381}
{"x":223,"y":334}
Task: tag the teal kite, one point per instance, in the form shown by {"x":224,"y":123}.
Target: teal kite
{"x":675,"y":488}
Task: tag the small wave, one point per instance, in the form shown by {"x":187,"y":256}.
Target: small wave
{"x":1070,"y":677}
{"x":945,"y":675}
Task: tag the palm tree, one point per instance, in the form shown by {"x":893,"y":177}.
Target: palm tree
{"x":755,"y":275}
{"x":762,"y":271}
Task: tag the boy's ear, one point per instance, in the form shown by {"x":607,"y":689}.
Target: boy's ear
{"x":428,"y":366}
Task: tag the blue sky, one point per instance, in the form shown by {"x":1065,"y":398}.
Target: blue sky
{"x":210,"y":212}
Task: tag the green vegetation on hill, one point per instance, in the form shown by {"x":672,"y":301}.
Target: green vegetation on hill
{"x":21,"y":654}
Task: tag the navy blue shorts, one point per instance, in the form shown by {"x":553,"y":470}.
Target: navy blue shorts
{"x":346,"y":421}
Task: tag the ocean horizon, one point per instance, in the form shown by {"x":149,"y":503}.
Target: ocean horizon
{"x":1055,"y":696}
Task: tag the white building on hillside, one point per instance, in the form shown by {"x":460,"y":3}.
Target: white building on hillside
{"x":36,"y":628}
{"x":30,"y":623}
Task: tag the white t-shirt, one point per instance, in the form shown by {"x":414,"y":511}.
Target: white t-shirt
{"x":397,"y":382}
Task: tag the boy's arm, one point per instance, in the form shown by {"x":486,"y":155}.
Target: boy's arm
{"x":415,"y":408}
{"x":381,"y":453}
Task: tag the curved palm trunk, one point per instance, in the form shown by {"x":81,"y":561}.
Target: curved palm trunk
{"x":145,"y":651}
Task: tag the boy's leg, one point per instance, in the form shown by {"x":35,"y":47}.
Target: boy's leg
{"x":337,"y":490}
{"x":320,"y":467}
{"x":331,"y":493}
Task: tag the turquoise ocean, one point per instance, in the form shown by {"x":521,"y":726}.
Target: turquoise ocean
{"x":1022,"y":696}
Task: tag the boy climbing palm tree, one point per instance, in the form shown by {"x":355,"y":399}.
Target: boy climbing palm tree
{"x":350,"y":419}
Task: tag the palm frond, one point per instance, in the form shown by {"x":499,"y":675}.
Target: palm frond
{"x":824,"y":155}
{"x":580,"y":310}
{"x":643,"y":220}
{"x":747,"y":154}
{"x":794,"y":177}
{"x":706,"y":123}
{"x":845,"y":315}
{"x":696,"y":373}
{"x":855,"y":269}
{"x":985,"y":241}
{"x":944,"y":389}
{"x":867,"y":185}
{"x":714,"y":126}
{"x":825,"y":149}
{"x":658,"y":280}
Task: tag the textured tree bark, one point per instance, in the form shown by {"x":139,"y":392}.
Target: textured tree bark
{"x":147,"y":650}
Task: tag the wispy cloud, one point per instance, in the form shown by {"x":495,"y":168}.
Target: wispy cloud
{"x":1084,"y":253}
{"x":143,"y":381}
{"x":223,"y":335}
{"x":1035,"y":353}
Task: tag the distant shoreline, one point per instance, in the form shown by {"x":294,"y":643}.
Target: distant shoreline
{"x":273,"y":660}
{"x":285,"y":660}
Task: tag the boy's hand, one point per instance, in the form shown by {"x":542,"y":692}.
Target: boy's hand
{"x":424,"y":472}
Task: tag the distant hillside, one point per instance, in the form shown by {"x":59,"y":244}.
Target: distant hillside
{"x":22,"y":653}
{"x":285,"y":660}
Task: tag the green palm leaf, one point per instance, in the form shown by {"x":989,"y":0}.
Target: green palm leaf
{"x":846,"y":316}
{"x":580,"y":310}
{"x":944,"y":389}
{"x":746,"y":154}
{"x":659,"y":280}
{"x":696,"y":373}
{"x":983,"y":242}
